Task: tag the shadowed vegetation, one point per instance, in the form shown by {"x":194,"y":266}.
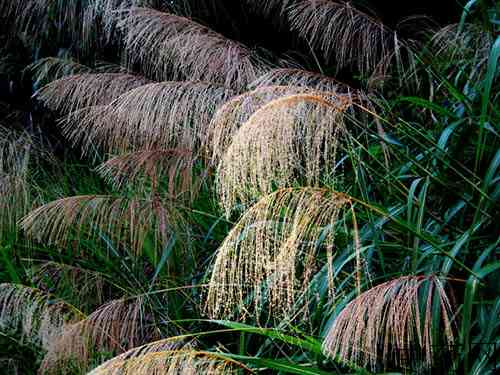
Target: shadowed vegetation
{"x":246,"y":187}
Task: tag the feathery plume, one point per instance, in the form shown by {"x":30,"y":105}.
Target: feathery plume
{"x":84,"y":90}
{"x":155,"y":116}
{"x":16,"y":151}
{"x":104,"y":12}
{"x":52,"y":68}
{"x":15,"y":202}
{"x":271,"y":254}
{"x":116,"y":327}
{"x":128,"y":222}
{"x":174,"y":167}
{"x":229,"y":118}
{"x":290,"y":140}
{"x":389,"y":321}
{"x":348,"y":35}
{"x":169,"y":46}
{"x":38,"y":317}
{"x":171,"y":362}
{"x":302,"y":78}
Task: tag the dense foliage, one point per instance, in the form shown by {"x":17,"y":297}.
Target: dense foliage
{"x":281,"y":186}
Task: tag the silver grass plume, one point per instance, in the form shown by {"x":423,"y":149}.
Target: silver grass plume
{"x":291,"y":140}
{"x":51,"y":68}
{"x":37,"y":317}
{"x":155,"y":116}
{"x":386,"y":323}
{"x":170,"y":46}
{"x":302,"y":78}
{"x":171,"y":170}
{"x":116,"y":327}
{"x":350,"y":37}
{"x":104,"y":11}
{"x":231,"y":116}
{"x":127,"y":222}
{"x":265,"y":264}
{"x":78,"y":91}
{"x":33,"y":16}
{"x":17,"y":149}
{"x":164,"y":358}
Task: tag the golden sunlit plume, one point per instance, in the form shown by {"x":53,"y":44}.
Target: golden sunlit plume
{"x":155,"y":116}
{"x":164,"y":358}
{"x":37,"y":317}
{"x":288,"y":141}
{"x":229,"y":118}
{"x":115,"y":327}
{"x":127,"y":222}
{"x":172,"y":168}
{"x":389,"y":322}
{"x":173,"y":47}
{"x":84,"y":90}
{"x":268,"y":259}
